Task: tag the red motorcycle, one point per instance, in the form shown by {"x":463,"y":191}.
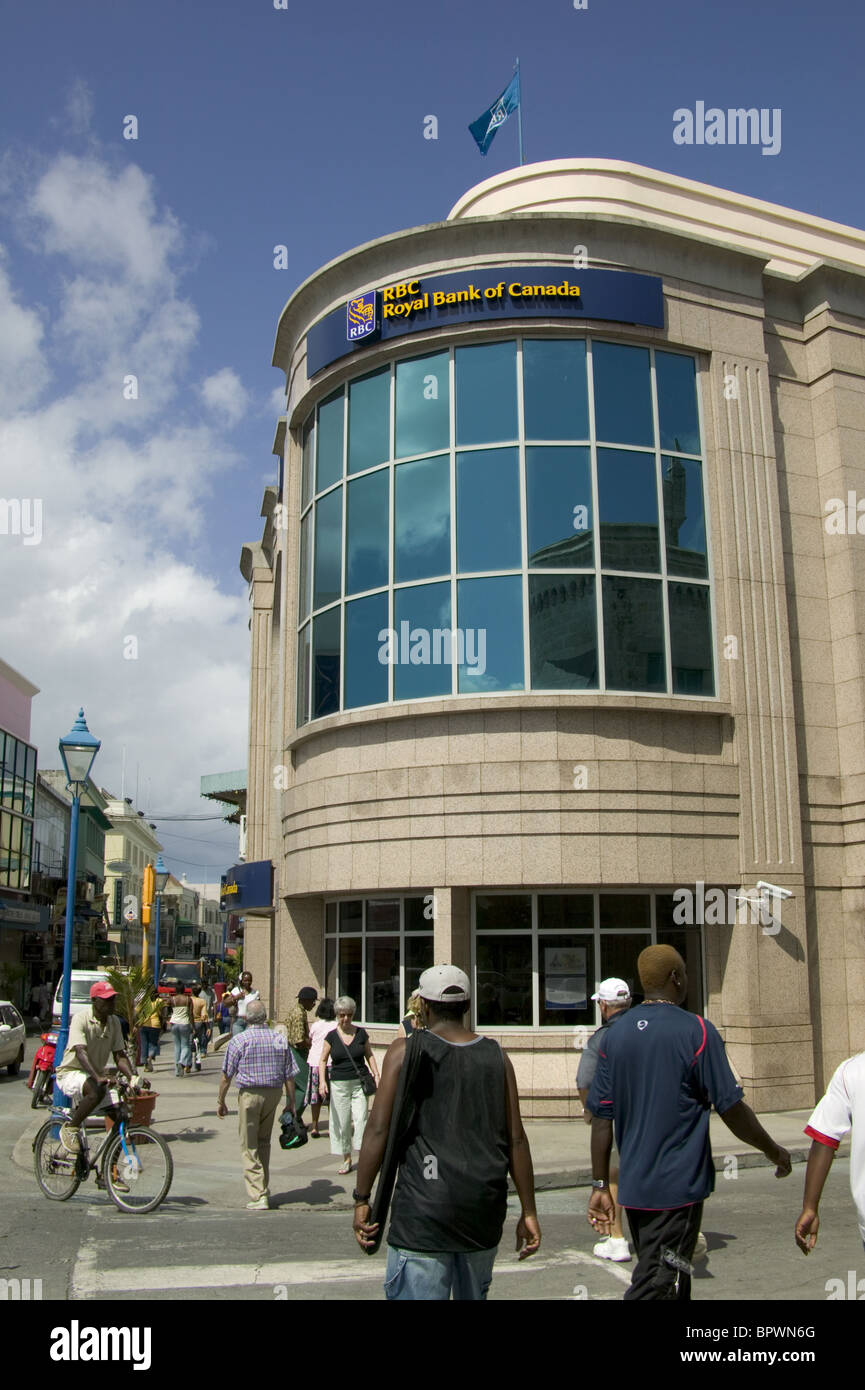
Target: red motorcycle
{"x":42,"y":1071}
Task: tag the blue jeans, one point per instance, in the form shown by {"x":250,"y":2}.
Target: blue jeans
{"x":182,"y":1033}
{"x":418,"y":1275}
{"x":150,"y":1043}
{"x":238,"y":1026}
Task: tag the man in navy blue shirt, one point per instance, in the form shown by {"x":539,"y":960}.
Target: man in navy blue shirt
{"x":660,"y":1071}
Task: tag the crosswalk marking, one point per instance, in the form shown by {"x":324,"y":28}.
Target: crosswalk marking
{"x":90,"y":1281}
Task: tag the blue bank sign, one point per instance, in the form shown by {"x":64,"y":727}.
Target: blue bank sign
{"x":247,"y":886}
{"x":490,"y":293}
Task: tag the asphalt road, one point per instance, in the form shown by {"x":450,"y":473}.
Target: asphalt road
{"x":195,"y":1248}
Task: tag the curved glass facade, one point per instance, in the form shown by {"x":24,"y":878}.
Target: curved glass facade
{"x":509,"y":516}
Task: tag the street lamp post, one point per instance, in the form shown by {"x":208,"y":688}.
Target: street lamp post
{"x":78,"y":751}
{"x":161,"y":878}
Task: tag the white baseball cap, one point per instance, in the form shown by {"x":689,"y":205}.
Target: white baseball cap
{"x":612,"y":991}
{"x":445,"y":984}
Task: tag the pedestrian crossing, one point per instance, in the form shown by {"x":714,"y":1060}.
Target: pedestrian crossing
{"x":109,"y":1264}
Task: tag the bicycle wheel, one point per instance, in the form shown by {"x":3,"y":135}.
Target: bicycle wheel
{"x":145,"y":1167}
{"x":58,"y":1172}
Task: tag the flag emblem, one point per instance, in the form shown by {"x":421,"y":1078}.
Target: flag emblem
{"x":360,"y":317}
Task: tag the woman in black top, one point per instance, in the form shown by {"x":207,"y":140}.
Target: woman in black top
{"x":348,"y":1049}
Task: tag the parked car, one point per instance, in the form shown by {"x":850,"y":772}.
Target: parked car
{"x":80,"y":995}
{"x":12,"y":1035}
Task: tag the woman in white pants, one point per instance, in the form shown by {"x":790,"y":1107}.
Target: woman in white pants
{"x":348,"y":1050}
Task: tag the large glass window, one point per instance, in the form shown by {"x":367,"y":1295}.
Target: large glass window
{"x":422,"y":545}
{"x":376,"y":953}
{"x":17,"y":797}
{"x":366,"y":560}
{"x":597,"y":538}
{"x":488,"y":510}
{"x":486,"y":386}
{"x":539,"y":957}
{"x":554,"y":389}
{"x":423,"y":405}
{"x":369,"y":421}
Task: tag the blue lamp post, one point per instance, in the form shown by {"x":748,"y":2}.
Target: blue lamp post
{"x":161,"y":877}
{"x":78,"y":750}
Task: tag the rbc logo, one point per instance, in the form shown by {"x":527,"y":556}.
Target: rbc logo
{"x":360,"y":316}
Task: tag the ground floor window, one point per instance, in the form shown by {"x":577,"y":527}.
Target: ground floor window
{"x":375,"y":950}
{"x":539,"y":957}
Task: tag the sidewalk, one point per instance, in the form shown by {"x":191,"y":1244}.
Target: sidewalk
{"x":207,"y":1151}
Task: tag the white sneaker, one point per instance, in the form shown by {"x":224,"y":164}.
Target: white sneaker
{"x":70,"y":1138}
{"x":263,"y":1204}
{"x":613,"y":1248}
{"x":701,"y":1249}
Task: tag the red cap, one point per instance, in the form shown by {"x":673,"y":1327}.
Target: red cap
{"x":102,"y":990}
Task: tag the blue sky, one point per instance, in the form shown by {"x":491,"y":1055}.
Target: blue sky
{"x":257,"y":127}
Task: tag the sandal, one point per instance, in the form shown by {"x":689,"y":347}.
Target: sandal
{"x":314,"y":1134}
{"x":346,"y":1168}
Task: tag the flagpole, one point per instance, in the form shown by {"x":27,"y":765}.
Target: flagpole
{"x":520,"y":115}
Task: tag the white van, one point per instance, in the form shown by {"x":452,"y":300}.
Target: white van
{"x":80,"y":997}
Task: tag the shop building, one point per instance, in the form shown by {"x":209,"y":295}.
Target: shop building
{"x":555,"y":620}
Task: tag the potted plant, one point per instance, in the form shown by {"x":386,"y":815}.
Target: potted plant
{"x":136,"y":997}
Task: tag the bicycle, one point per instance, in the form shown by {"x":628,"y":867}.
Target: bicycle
{"x":133,"y":1164}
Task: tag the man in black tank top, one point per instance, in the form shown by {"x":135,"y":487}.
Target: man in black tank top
{"x":466,"y":1136}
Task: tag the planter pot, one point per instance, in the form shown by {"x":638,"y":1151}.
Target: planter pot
{"x":140,"y":1110}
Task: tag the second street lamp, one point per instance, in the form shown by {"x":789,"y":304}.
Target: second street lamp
{"x":161,"y":876}
{"x":78,"y":751}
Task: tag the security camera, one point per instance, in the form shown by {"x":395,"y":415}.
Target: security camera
{"x":775,"y":891}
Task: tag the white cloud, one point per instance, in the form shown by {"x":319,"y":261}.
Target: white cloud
{"x":225,"y":393}
{"x":79,"y":108}
{"x":125,"y":485}
{"x":23,"y":370}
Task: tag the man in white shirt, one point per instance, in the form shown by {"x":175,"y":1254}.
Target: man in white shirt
{"x":841,"y":1109}
{"x":243,"y":995}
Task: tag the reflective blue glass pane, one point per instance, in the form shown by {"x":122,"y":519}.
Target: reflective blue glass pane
{"x":366,"y":532}
{"x":628,"y":506}
{"x":486,"y":389}
{"x":488,"y":510}
{"x":677,"y":402}
{"x":623,"y":393}
{"x":308,"y":461}
{"x":684,"y":521}
{"x":420,"y":647}
{"x":422,"y":530}
{"x":691,"y":639}
{"x":328,"y":549}
{"x":329,"y":441}
{"x":634,"y":634}
{"x":369,"y":421}
{"x":303,"y":653}
{"x":305,"y":567}
{"x":365,"y":674}
{"x":422,"y":405}
{"x":563,"y":632}
{"x":559,"y":503}
{"x":325,"y":663}
{"x":555,"y":399}
{"x":490,"y":634}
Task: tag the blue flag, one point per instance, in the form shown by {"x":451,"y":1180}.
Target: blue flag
{"x":485,"y":127}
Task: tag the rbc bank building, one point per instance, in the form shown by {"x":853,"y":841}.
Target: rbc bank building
{"x":557,"y":621}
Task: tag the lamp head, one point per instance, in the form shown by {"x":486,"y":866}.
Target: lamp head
{"x":78,"y":751}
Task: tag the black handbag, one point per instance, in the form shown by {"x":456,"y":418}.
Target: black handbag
{"x":364,"y":1075}
{"x":293,"y":1131}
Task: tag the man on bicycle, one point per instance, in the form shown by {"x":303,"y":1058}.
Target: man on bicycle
{"x":95,"y":1038}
